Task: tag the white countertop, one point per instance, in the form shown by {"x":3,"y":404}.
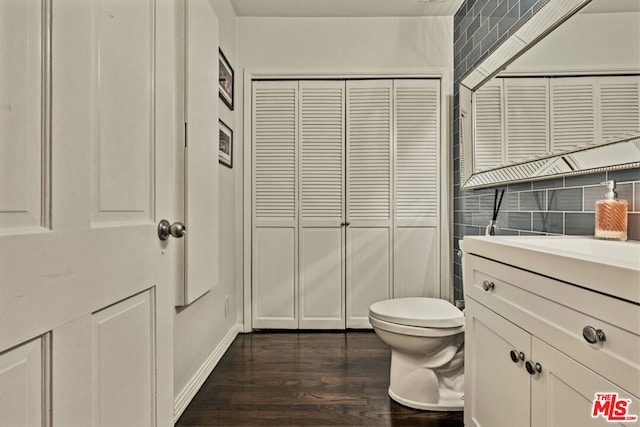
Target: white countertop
{"x":609,"y":267}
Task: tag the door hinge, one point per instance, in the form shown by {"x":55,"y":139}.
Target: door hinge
{"x":185,"y":134}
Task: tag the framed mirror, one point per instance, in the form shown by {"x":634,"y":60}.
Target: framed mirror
{"x":560,"y":96}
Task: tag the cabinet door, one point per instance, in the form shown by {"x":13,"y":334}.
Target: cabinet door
{"x":201,"y":189}
{"x":497,"y":392}
{"x":369,"y":197}
{"x":275,"y":228}
{"x":321,"y":214}
{"x":562,"y":393}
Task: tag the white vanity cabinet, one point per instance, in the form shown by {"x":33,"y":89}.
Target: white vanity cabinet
{"x":527,"y":362}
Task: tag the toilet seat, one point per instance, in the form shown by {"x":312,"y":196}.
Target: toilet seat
{"x":415,"y":331}
{"x":432,"y":313}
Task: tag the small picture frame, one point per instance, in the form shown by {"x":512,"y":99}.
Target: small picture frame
{"x":225,"y":145}
{"x":225,"y":80}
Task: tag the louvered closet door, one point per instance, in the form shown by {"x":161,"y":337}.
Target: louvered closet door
{"x":369,"y":197}
{"x":321,"y":161}
{"x":619,"y":102}
{"x":489,"y":126}
{"x":417,"y":131}
{"x":275,"y":231}
{"x":573,"y":113}
{"x":527,"y":118}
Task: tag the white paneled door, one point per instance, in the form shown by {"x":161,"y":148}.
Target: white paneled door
{"x":322,"y":213}
{"x":369,"y":196}
{"x":275,"y":224}
{"x":416,"y":257}
{"x":86,"y":139}
{"x":345,"y":193}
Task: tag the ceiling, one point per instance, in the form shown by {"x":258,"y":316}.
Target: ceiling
{"x":345,"y":8}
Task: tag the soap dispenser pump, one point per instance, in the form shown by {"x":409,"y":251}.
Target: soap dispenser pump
{"x":611,"y":215}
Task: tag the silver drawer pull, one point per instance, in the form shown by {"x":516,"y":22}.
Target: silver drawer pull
{"x":533,"y":367}
{"x":593,"y":335}
{"x":487,"y":285}
{"x":516,"y":356}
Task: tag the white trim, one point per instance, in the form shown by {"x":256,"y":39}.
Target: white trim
{"x":189,"y":391}
{"x":247,"y":168}
{"x":446,"y":188}
{"x":382,"y":73}
{"x":446,"y":137}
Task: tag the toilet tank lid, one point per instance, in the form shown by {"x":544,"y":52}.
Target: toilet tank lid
{"x":424,"y":312}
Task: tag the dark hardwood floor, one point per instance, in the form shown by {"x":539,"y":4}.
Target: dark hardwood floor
{"x":305,"y":379}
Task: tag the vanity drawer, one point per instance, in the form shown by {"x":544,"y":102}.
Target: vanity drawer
{"x":557,"y":312}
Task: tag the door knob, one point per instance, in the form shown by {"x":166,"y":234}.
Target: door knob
{"x":166,"y":229}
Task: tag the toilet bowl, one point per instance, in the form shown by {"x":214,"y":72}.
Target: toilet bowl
{"x":426,"y":337}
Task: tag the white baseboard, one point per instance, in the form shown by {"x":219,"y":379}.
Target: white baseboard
{"x":189,"y":391}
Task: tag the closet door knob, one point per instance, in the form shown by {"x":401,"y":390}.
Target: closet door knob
{"x":345,"y":224}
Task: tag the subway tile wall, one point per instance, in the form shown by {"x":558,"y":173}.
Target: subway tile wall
{"x":553,"y":206}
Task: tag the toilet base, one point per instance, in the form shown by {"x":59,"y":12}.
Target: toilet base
{"x":449,"y":401}
{"x":414,"y":384}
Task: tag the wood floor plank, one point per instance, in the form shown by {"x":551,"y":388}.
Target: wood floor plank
{"x":305,"y":379}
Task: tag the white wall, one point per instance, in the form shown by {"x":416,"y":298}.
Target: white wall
{"x":345,"y":43}
{"x":587,"y":41}
{"x":200,"y":328}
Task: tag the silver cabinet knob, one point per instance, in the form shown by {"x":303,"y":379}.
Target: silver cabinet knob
{"x":516,"y":356}
{"x":593,"y":335}
{"x":533,"y":368}
{"x":487,"y":285}
{"x":166,"y":229}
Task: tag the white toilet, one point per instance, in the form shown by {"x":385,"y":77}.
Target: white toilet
{"x":426,"y":336}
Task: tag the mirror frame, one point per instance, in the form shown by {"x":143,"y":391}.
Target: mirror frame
{"x":548,"y":17}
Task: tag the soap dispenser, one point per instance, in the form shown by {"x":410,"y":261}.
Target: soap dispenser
{"x":611,"y":215}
